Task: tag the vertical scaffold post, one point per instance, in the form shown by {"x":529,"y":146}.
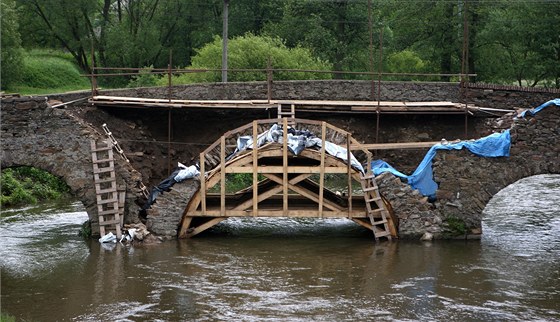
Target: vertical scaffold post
{"x":223,"y":175}
{"x":255,"y":169}
{"x":349,"y":174}
{"x":285,"y":166}
{"x":203,"y":183}
{"x":322,"y":172}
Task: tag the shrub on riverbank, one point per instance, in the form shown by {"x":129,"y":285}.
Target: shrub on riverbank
{"x":28,"y":185}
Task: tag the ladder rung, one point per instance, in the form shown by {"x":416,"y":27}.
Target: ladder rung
{"x":106,"y":201}
{"x":108,"y":190}
{"x":372,"y":199}
{"x":103,"y":161}
{"x":379,"y":222}
{"x":110,"y":222}
{"x":374,"y":211}
{"x":105,"y":180}
{"x":374,"y":188}
{"x":103,"y":170}
{"x":101,"y":149}
{"x":108,"y":212}
{"x":367,"y":176}
{"x":381,"y":233}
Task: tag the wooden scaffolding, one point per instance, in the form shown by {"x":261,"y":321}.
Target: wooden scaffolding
{"x":285,"y":185}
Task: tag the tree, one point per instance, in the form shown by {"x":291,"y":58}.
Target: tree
{"x":11,"y":51}
{"x":335,"y":31}
{"x":253,"y":52}
{"x":521,"y":42}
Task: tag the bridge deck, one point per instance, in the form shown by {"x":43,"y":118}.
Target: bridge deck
{"x":385,"y":107}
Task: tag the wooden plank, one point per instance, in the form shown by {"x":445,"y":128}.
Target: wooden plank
{"x":322,"y":173}
{"x":397,"y":146}
{"x":349,"y":174}
{"x":285,"y":165}
{"x":306,"y":193}
{"x":205,"y":226}
{"x":185,"y":224}
{"x":223,"y":174}
{"x":291,"y":169}
{"x":254,"y":169}
{"x":203,"y":182}
{"x":293,"y":213}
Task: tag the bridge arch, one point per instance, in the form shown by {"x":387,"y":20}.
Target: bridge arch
{"x":467,"y":182}
{"x":35,"y":134}
{"x":282,"y":182}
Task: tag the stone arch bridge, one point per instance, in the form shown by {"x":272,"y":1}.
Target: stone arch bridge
{"x":35,"y":134}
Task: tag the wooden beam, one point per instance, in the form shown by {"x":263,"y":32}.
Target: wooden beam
{"x":206,"y":225}
{"x":349,"y":174}
{"x":223,"y":175}
{"x":185,"y":224}
{"x":306,"y":193}
{"x":285,"y":165}
{"x":254,"y":170}
{"x":397,"y":146}
{"x":203,"y":181}
{"x":322,"y":173}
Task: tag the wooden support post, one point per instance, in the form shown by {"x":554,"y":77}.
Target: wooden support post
{"x":322,"y":173}
{"x":223,"y":175}
{"x":203,"y":183}
{"x":285,"y":166}
{"x":255,"y":168}
{"x":349,"y":167}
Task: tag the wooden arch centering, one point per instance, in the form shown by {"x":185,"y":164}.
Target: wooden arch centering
{"x":281,"y":184}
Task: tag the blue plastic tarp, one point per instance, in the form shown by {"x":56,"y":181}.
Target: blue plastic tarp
{"x":495,"y":145}
{"x":534,"y":111}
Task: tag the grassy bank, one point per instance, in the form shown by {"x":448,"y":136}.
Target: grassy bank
{"x":48,"y":71}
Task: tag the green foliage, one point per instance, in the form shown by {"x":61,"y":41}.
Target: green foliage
{"x":85,"y":229}
{"x":48,"y":71}
{"x":4,"y":317}
{"x":252,"y":52}
{"x":10,"y":47}
{"x":144,"y":78}
{"x":406,"y":61}
{"x":456,"y":226}
{"x":27,"y":185}
{"x":509,"y":41}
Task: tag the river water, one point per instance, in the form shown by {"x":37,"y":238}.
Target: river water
{"x":296,"y":270}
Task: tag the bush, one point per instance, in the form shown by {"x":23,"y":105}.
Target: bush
{"x":28,"y":185}
{"x":144,"y":78}
{"x":47,"y":71}
{"x":406,"y":61}
{"x":252,"y":52}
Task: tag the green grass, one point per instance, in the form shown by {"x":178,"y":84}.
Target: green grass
{"x":6,"y":318}
{"x":48,"y":71}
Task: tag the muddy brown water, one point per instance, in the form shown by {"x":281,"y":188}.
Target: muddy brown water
{"x":288,"y":270}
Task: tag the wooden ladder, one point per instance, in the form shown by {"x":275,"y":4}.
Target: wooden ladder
{"x":375,"y":205}
{"x":289,"y":111}
{"x":110,"y":201}
{"x":120,"y":151}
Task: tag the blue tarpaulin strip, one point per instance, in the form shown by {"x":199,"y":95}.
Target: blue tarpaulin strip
{"x":494,"y":145}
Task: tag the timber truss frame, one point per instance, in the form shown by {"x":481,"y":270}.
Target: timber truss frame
{"x":282,"y":184}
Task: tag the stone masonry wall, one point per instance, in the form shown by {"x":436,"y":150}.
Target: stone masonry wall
{"x":332,"y":90}
{"x":35,"y":134}
{"x":467,"y":182}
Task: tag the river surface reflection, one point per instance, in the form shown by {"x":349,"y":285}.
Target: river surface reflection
{"x":297,"y":270}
